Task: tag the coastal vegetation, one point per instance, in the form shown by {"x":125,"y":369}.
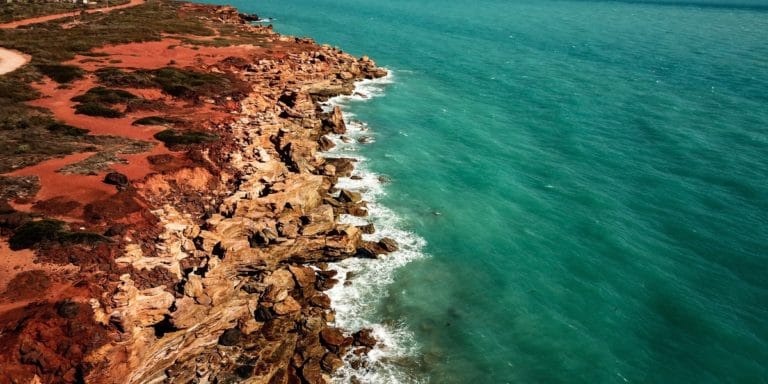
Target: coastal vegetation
{"x":61,"y":73}
{"x":176,"y":82}
{"x":66,"y":129}
{"x":29,"y":135}
{"x":158,"y":120}
{"x":97,"y":110}
{"x":236,"y":197}
{"x":97,"y":102}
{"x":105,"y":96}
{"x":173,"y":138}
{"x":39,"y":232}
{"x":22,"y":9}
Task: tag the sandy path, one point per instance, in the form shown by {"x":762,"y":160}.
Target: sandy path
{"x":43,"y":19}
{"x":11,"y":60}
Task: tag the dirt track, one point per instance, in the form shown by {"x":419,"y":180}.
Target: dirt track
{"x":43,"y":19}
{"x":11,"y":60}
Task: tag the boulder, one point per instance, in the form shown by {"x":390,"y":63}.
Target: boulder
{"x":230,"y":337}
{"x":388,"y":244}
{"x":116,"y":178}
{"x":321,"y":300}
{"x":304,"y":276}
{"x":289,"y":305}
{"x":333,"y":339}
{"x":312,"y":373}
{"x":364,"y":337}
{"x":357,"y":210}
{"x":367,"y":229}
{"x":334,"y":122}
{"x":263,"y":314}
{"x":325,"y":143}
{"x":346,"y":196}
{"x":67,"y":309}
{"x":282,"y":279}
{"x":331,"y":362}
{"x":274,"y":294}
{"x":277,"y":328}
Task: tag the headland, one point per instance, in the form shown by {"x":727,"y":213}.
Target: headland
{"x":164,"y":212}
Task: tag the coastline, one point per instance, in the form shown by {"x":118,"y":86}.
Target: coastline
{"x":230,"y":282}
{"x":363,"y":283}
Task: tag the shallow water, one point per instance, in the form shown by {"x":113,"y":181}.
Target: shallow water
{"x":580,"y":187}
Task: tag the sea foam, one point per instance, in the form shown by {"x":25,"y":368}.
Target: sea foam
{"x":363,"y":283}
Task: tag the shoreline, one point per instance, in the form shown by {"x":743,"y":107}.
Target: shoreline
{"x":241,"y":290}
{"x":363,"y":283}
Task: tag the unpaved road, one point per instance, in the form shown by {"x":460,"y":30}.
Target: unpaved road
{"x":11,"y":60}
{"x":43,"y":19}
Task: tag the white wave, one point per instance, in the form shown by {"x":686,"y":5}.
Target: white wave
{"x":363,"y":283}
{"x":364,"y":90}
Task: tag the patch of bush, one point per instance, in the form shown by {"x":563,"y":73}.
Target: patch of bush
{"x":190,"y":84}
{"x":180,"y":83}
{"x":145,"y":105}
{"x":61,"y":73}
{"x":116,"y":77}
{"x":14,"y":87}
{"x":158,"y":120}
{"x":65,"y":129}
{"x":33,"y":233}
{"x":174,"y":81}
{"x":95,"y":54}
{"x":88,"y":238}
{"x":173,"y":138}
{"x":98,"y":110}
{"x":105,"y":96}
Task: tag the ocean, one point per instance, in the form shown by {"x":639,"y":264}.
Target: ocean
{"x":579,"y":188}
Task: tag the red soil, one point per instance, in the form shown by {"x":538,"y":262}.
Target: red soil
{"x":158,"y":54}
{"x":58,"y":100}
{"x":80,"y":188}
{"x":13,"y":262}
{"x":32,"y":327}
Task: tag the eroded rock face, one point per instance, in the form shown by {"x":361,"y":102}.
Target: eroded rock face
{"x":213,"y":266}
{"x":247,"y":304}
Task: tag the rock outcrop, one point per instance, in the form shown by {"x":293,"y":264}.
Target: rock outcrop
{"x":248,"y":304}
{"x":213,"y":269}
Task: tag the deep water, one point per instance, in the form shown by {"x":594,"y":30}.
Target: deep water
{"x":582,"y":186}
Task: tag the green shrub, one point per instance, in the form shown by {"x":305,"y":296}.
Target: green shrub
{"x":173,"y":138}
{"x":116,"y":77}
{"x":35,"y":232}
{"x":105,"y":96}
{"x":191,"y":84}
{"x":98,"y":110}
{"x":179,"y":82}
{"x":61,"y":73}
{"x":88,"y":238}
{"x":145,"y":105}
{"x":158,"y":120}
{"x":65,"y":129}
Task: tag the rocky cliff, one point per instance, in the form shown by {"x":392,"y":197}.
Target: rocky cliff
{"x":216,"y":265}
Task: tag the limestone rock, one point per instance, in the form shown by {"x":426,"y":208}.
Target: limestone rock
{"x":230,"y":337}
{"x":289,"y":305}
{"x":364,"y":337}
{"x":346,"y":196}
{"x":304,"y":276}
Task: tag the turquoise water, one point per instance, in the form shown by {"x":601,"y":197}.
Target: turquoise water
{"x":600,"y":173}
